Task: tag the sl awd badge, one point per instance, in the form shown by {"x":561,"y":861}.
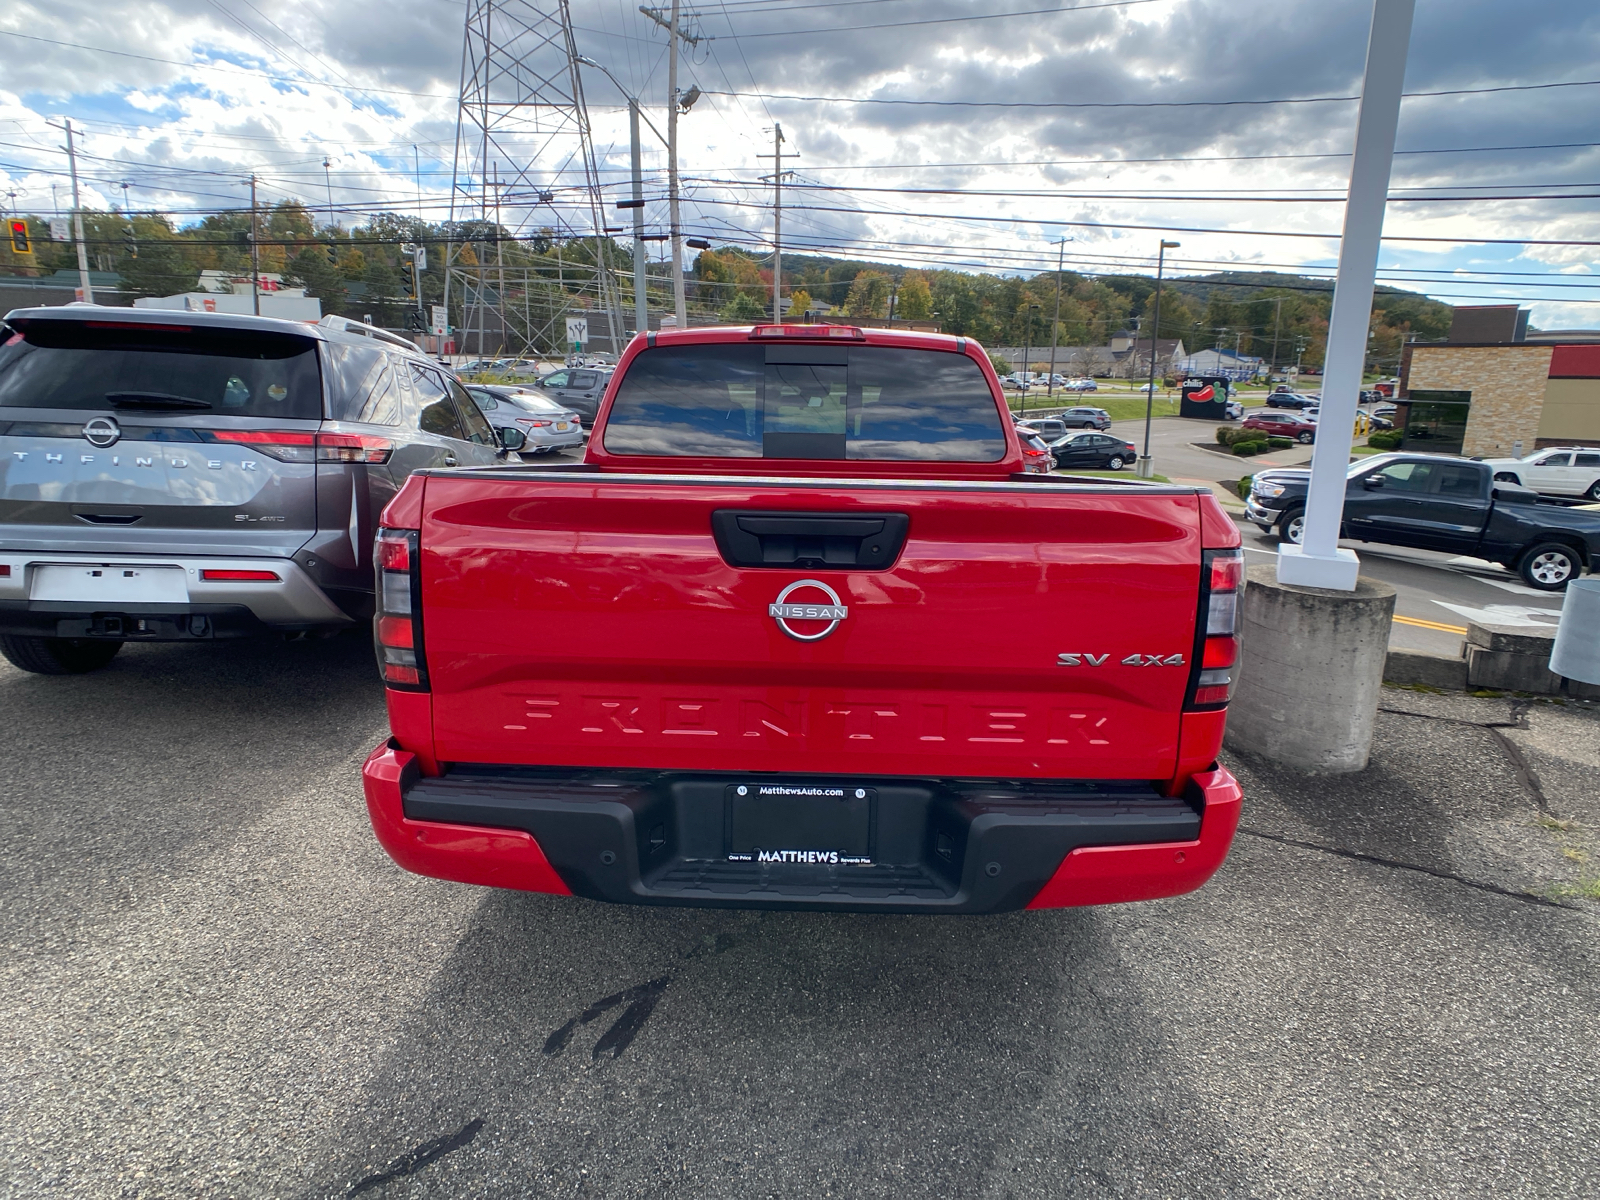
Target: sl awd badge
{"x":832,"y":612}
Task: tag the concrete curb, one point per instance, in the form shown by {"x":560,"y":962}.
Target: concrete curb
{"x":1510,"y":658}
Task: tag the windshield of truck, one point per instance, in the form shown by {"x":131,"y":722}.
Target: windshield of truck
{"x":880,"y":403}
{"x":72,"y":364}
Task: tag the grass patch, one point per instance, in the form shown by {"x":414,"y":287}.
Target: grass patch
{"x":1584,"y":889}
{"x":1121,"y":408}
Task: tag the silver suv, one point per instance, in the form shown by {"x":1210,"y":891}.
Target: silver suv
{"x":178,"y":476}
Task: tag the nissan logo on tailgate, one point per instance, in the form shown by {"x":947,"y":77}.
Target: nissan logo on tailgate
{"x":833,"y":612}
{"x":102,"y":432}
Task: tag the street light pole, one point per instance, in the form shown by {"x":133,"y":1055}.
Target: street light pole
{"x":1027,"y":345}
{"x":1143,"y":468}
{"x":1319,"y":561}
{"x":641,"y":307}
{"x":1055,"y":325}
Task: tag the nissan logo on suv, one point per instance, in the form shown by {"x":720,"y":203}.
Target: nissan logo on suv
{"x":102,"y":432}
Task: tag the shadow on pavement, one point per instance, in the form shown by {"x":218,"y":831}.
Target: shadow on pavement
{"x":132,"y":771}
{"x":780,"y":1054}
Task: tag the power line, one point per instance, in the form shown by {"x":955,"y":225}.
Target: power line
{"x":1055,"y":104}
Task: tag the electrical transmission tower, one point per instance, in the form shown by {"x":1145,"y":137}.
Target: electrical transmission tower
{"x":525,"y":164}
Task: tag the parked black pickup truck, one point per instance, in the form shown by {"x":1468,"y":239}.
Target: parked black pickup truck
{"x":1439,"y":503}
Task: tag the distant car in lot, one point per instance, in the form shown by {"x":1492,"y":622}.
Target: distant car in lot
{"x":1234,"y":409}
{"x":545,"y":425}
{"x":1560,"y":471}
{"x":1282,"y":424}
{"x":1314,"y":414}
{"x":1084,"y":417}
{"x":1291,"y":400}
{"x":1093,"y":450}
{"x":1387,"y":411}
{"x":577,"y":388}
{"x":1035,"y":452}
{"x":1048,"y":428}
{"x":1082,"y":385}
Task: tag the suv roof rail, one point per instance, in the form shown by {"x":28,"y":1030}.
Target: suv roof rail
{"x":346,"y":325}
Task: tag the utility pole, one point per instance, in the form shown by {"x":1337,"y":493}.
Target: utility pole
{"x":777,"y":220}
{"x":327,"y":178}
{"x":670,"y":24}
{"x":1061,"y":257}
{"x":77,"y":222}
{"x":680,"y":302}
{"x":255,"y":251}
{"x":1277,"y":319}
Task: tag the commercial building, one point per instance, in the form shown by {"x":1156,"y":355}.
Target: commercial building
{"x":1496,"y":391}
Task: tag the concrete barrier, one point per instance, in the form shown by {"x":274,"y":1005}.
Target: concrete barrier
{"x":1511,"y":658}
{"x":1311,"y":672}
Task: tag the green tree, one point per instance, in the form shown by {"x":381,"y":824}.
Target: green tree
{"x":311,"y":270}
{"x":799,"y":302}
{"x":743,"y":310}
{"x":869,"y":295}
{"x":153,"y":263}
{"x":383,"y":292}
{"x":915,"y":299}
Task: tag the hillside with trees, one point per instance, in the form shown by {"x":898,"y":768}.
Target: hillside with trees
{"x":362,"y":271}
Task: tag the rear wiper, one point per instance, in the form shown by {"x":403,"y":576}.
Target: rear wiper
{"x":153,"y":400}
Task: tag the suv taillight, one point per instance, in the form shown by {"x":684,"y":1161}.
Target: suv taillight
{"x":303,"y":446}
{"x":1216,"y":654}
{"x":397,"y":628}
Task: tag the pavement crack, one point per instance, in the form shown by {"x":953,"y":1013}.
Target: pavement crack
{"x":1395,"y":864}
{"x":1526,"y":775}
{"x":424,"y":1155}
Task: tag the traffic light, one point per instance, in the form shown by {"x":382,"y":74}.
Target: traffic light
{"x":21,"y":242}
{"x":333,"y":254}
{"x":130,"y":241}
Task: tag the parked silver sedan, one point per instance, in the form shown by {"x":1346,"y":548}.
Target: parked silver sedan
{"x":546,"y":425}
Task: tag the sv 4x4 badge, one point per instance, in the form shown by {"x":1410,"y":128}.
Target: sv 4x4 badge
{"x":1133,"y":660}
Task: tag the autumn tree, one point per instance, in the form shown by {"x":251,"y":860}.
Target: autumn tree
{"x":799,"y":302}
{"x":915,"y":299}
{"x":869,"y":295}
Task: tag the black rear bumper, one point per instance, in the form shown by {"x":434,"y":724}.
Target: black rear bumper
{"x":142,"y":623}
{"x":949,"y":846}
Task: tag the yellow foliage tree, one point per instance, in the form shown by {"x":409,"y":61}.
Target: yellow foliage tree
{"x":915,"y":299}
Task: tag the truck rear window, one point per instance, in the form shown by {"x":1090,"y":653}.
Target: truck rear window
{"x":83,"y":365}
{"x":878,"y":403}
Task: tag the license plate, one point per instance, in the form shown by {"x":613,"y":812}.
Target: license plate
{"x":114,"y":585}
{"x":561,"y":427}
{"x":813,"y":825}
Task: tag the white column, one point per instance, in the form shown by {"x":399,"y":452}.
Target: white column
{"x":1318,"y":561}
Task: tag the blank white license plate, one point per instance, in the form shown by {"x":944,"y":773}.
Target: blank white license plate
{"x":116,"y":585}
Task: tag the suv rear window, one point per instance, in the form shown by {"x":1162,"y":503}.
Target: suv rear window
{"x":96,"y":365}
{"x":879,"y":403}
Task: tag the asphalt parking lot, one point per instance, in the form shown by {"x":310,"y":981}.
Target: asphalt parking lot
{"x":216,"y":984}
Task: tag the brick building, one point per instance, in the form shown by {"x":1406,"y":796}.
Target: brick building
{"x":1498,"y":398}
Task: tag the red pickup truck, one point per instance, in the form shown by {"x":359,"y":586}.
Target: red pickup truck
{"x":800,"y":633}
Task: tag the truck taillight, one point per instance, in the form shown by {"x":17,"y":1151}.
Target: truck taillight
{"x":397,"y":628}
{"x":1216,"y":655}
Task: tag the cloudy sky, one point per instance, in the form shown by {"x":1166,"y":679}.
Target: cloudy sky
{"x":929,"y":132}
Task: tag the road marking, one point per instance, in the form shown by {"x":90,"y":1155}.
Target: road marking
{"x":1506,"y":614}
{"x":1430,"y":625}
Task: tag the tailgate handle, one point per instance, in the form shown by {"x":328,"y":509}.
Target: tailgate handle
{"x":859,"y":541}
